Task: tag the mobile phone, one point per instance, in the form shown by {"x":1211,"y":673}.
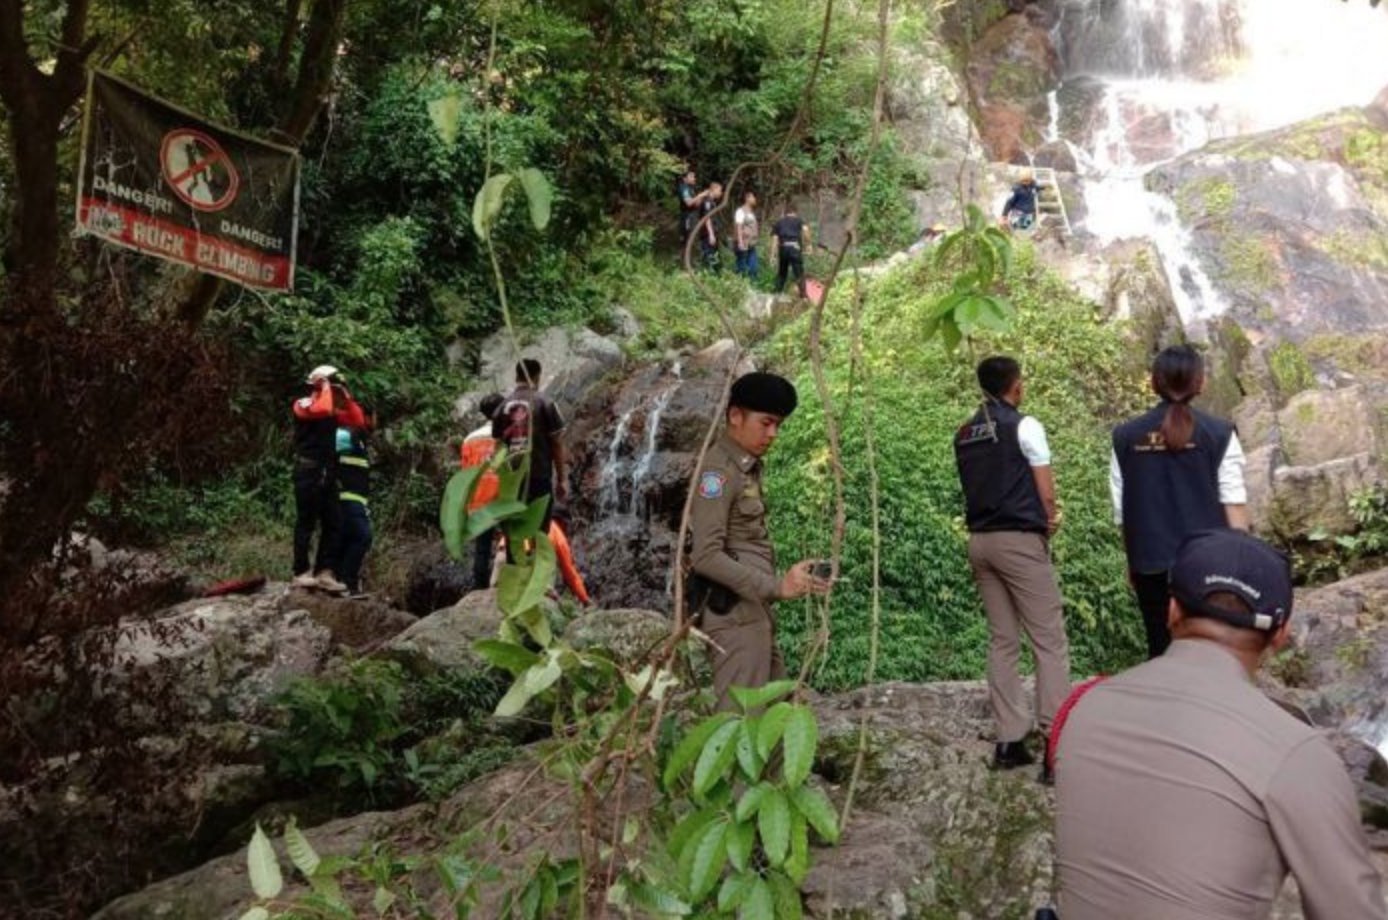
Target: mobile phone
{"x":822,"y":569}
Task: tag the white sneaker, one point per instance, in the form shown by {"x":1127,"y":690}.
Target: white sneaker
{"x":306,"y":580}
{"x":328,"y":582}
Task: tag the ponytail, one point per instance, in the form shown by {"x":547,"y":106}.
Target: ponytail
{"x":1178,"y":375}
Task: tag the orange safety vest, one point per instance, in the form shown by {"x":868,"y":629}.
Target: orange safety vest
{"x":475,"y":452}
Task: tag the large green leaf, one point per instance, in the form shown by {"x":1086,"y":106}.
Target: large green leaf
{"x":506,"y":655}
{"x":453,"y":511}
{"x":773,"y":824}
{"x":536,"y":680}
{"x":658,"y":901}
{"x":710,"y":855}
{"x":301,"y":854}
{"x":716,"y":757}
{"x":263,"y":866}
{"x":755,"y":697}
{"x":734,"y":891}
{"x":785,"y":895}
{"x":759,"y":903}
{"x":490,"y":515}
{"x":748,"y":759}
{"x":525,"y":526}
{"x":690,"y":746}
{"x":446,"y":113}
{"x":486,"y":207}
{"x":751,"y":801}
{"x":772,"y":726}
{"x":690,"y":825}
{"x":815,"y":806}
{"x":950,"y":334}
{"x":798,"y":862}
{"x":801,"y":739}
{"x":539,"y":194}
{"x":742,"y":836}
{"x":521,"y":587}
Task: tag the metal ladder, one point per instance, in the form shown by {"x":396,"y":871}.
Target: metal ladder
{"x":1049,"y":202}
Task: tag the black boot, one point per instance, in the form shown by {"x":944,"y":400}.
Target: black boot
{"x":1008,"y":755}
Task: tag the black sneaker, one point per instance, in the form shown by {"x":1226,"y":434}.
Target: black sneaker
{"x":1008,"y":755}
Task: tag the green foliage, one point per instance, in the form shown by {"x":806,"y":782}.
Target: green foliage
{"x":373,"y":734}
{"x":1291,"y":371}
{"x":1328,"y":557}
{"x":979,"y":256}
{"x":1079,"y":382}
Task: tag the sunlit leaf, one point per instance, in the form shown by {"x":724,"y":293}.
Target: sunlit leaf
{"x":540,"y":195}
{"x":446,"y":114}
{"x":486,"y":207}
{"x":263,"y":867}
{"x":301,"y":854}
{"x":800,"y":740}
{"x":815,"y":806}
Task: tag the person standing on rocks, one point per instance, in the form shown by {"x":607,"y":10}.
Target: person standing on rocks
{"x":745,"y":233}
{"x":1182,"y":792}
{"x":478,"y":449}
{"x":690,"y":201}
{"x":1011,"y":512}
{"x":1174,"y":470}
{"x":1019,"y":212}
{"x":317,"y":416}
{"x":788,"y":243}
{"x":354,"y":495}
{"x":730,"y":556}
{"x":531,"y":428}
{"x":709,"y":241}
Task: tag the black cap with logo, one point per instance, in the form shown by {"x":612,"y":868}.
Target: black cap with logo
{"x":1233,"y":562}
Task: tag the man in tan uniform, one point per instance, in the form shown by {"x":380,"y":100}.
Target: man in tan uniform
{"x":731,"y":555}
{"x":1183,"y":793}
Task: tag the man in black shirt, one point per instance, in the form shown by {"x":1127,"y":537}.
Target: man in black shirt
{"x":788,"y":240}
{"x":708,"y":234}
{"x":689,"y":200}
{"x":530,"y":426}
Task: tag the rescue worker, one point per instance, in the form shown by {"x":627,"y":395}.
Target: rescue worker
{"x":354,"y":485}
{"x":710,"y":240}
{"x":478,"y":448}
{"x":1173,"y":470}
{"x":1010,"y":509}
{"x":690,"y":201}
{"x":317,"y":416}
{"x":563,"y":555}
{"x":730,"y":556}
{"x":1020,"y":210}
{"x":1183,"y":793}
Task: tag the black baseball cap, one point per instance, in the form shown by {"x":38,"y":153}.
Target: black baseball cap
{"x":1233,"y":562}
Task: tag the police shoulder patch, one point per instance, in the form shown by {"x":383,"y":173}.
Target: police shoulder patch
{"x":711,"y":484}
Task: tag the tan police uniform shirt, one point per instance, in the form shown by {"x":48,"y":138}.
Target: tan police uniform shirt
{"x":728,"y":527}
{"x":1183,"y":793}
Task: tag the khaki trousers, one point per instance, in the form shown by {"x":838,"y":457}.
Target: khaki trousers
{"x":746,"y":653}
{"x":1017,"y":582}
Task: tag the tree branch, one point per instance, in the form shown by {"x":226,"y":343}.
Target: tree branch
{"x":17,"y":71}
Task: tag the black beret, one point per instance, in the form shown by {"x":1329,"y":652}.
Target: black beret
{"x":760,"y":392}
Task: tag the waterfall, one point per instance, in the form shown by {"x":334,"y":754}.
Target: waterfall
{"x":1177,"y":74}
{"x":620,"y":480}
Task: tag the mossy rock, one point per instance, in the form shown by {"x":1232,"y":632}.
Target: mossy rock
{"x":1291,"y":373}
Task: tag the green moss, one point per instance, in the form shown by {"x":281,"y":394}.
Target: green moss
{"x":1366,"y":153}
{"x":1225,"y":388}
{"x":1354,"y":354}
{"x":1291,"y":372}
{"x":1246,"y":262}
{"x":1016,"y":82}
{"x":1356,"y":250}
{"x":1210,"y":198}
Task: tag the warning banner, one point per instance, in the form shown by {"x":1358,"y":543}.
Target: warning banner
{"x":159,"y":180}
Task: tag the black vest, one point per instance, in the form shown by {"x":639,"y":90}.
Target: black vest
{"x":1168,"y":495}
{"x":315,"y":440}
{"x":999,"y":488}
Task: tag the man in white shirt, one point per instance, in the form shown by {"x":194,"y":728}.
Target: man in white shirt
{"x":745,"y":232}
{"x":1011,"y":512}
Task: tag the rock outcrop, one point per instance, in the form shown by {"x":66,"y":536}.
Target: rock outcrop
{"x":1010,"y":70}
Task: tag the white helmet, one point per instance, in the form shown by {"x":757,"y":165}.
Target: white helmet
{"x":320,"y":372}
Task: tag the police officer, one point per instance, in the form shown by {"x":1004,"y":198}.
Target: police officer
{"x":1183,"y":792}
{"x":1173,"y":471}
{"x":1009,"y":496}
{"x":731,"y":555}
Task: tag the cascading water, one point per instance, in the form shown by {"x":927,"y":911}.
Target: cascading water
{"x":621,"y":480}
{"x":1177,"y":74}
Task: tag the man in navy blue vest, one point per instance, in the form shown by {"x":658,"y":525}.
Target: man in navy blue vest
{"x":1009,"y":495}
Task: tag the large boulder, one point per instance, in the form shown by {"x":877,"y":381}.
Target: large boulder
{"x":434,"y":581}
{"x":443,"y":640}
{"x":1010,"y":70}
{"x":358,"y":625}
{"x":221,"y":659}
{"x":573,"y":361}
{"x":628,"y":636}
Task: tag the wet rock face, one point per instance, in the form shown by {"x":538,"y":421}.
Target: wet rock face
{"x":1290,"y":224}
{"x":1010,"y":70}
{"x":633,"y":457}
